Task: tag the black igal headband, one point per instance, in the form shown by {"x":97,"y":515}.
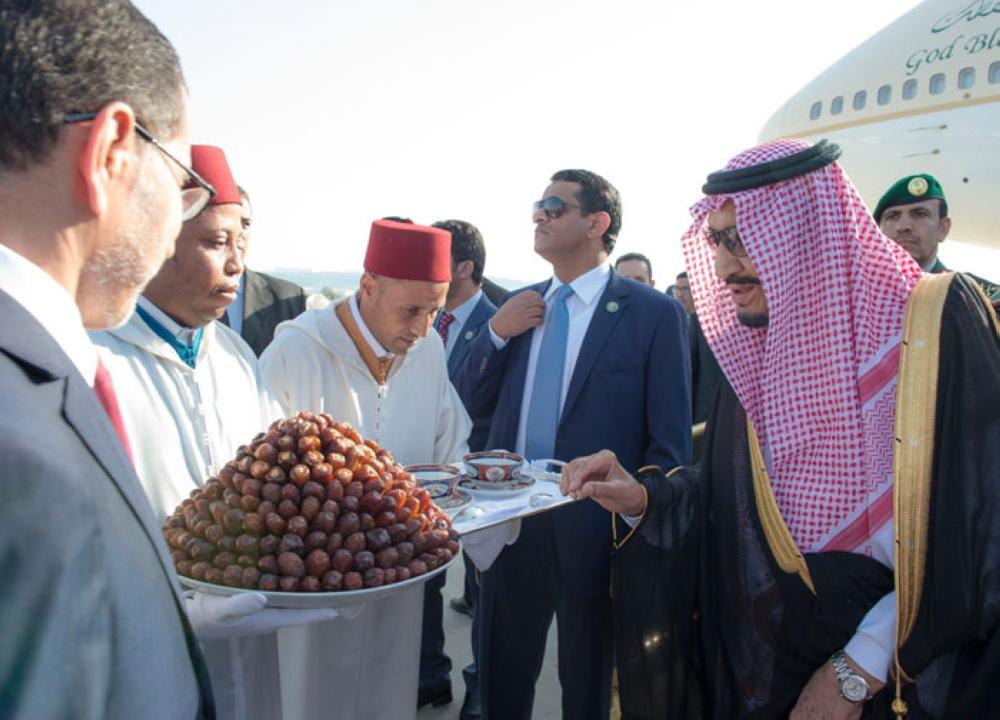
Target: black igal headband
{"x":805,"y":161}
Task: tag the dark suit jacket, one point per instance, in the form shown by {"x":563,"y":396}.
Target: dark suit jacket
{"x":481,"y":314}
{"x":268,"y":301}
{"x":494,"y":292}
{"x":629,"y":392}
{"x":91,"y":624}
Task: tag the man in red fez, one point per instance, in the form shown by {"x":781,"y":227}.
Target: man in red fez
{"x":190,"y":395}
{"x":366,"y":361}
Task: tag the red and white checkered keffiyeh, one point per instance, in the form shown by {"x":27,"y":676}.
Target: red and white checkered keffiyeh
{"x":819,"y":383}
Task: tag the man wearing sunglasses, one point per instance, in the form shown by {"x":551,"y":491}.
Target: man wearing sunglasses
{"x":583,"y":360}
{"x":839,"y":545}
{"x":92,"y":624}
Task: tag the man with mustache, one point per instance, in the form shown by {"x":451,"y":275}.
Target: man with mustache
{"x":190,"y":395}
{"x":367,"y":360}
{"x":839,"y":546}
{"x":914,"y":213}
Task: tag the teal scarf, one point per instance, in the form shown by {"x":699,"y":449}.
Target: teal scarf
{"x":187,"y":353}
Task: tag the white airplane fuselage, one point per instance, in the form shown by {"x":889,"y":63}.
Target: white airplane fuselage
{"x":922,"y":95}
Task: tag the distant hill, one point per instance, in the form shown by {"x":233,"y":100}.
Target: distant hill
{"x":315,"y":281}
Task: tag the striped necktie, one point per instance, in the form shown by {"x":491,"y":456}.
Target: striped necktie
{"x":444,"y":322}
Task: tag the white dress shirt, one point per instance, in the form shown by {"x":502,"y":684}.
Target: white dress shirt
{"x":461,"y":315}
{"x":52,"y":306}
{"x":587,"y":290}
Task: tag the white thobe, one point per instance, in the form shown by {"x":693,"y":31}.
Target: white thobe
{"x":366,"y":666}
{"x":184,"y":424}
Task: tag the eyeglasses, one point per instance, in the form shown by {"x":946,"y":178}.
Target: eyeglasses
{"x":728,"y":238}
{"x":553,"y":207}
{"x":197,"y":192}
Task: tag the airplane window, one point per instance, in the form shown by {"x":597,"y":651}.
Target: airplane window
{"x":815,"y":110}
{"x":937,"y":83}
{"x":995,"y":73}
{"x":860,"y":98}
{"x":837,"y":105}
{"x":884,"y":94}
{"x":966,"y":78}
{"x":909,"y":89}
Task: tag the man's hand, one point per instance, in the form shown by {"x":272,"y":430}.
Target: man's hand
{"x":524,"y":311}
{"x":821,"y":698}
{"x":603,"y":479}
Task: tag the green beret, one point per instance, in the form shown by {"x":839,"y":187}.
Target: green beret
{"x":911,"y":189}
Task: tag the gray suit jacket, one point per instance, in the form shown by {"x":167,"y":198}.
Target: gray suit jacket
{"x":268,"y":301}
{"x":91,"y":624}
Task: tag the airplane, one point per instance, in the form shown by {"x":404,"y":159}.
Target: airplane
{"x":921,"y":95}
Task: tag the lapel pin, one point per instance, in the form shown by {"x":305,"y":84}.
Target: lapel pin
{"x":612,"y":306}
{"x":469,"y":335}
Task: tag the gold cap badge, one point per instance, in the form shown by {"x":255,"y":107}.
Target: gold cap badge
{"x":917,"y":186}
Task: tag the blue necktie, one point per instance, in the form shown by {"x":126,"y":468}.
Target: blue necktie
{"x":546,"y":393}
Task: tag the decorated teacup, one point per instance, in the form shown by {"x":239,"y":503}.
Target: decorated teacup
{"x":494,"y":466}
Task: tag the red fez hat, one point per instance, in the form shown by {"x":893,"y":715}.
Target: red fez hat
{"x":407,"y":251}
{"x":210,"y":162}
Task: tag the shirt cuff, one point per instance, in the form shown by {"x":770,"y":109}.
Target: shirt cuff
{"x":631,"y":520}
{"x":498,"y":342}
{"x":871,"y":648}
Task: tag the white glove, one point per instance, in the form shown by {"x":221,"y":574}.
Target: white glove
{"x":213,"y":617}
{"x":484,"y":546}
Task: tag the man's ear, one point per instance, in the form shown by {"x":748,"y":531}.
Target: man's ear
{"x":463,"y":270}
{"x":599,"y":224}
{"x":108,"y":153}
{"x":368,"y":286}
{"x":945,"y":228}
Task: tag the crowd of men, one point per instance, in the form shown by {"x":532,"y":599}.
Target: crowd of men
{"x":788,"y":503}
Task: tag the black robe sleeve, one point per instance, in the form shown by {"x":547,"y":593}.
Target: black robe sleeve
{"x":954,"y":649}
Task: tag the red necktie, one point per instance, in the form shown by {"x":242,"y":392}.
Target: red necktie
{"x":446,"y":320}
{"x":105,"y":392}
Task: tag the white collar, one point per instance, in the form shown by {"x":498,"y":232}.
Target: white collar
{"x":52,"y":306}
{"x":376,"y":346}
{"x":463,"y":311}
{"x":181,"y":332}
{"x":586,"y":287}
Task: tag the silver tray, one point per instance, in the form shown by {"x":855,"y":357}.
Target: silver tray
{"x":305,"y":600}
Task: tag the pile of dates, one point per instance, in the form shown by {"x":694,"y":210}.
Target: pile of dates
{"x":309,"y":506}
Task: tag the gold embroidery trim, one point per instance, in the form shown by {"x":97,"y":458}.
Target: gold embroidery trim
{"x":645,"y":506}
{"x":916,"y":404}
{"x":779,"y":539}
{"x":377,"y":366}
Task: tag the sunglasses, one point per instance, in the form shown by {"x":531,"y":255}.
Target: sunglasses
{"x":728,"y":238}
{"x":553,"y":207}
{"x":197,"y":192}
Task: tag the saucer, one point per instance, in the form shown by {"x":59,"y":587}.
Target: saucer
{"x":518,"y":483}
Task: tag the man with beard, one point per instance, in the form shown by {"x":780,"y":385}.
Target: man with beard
{"x":914,"y":213}
{"x":191,"y":394}
{"x":92,"y":624}
{"x":844,"y":529}
{"x":366,"y":361}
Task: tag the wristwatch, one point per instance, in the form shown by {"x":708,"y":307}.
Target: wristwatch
{"x":853,"y":687}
